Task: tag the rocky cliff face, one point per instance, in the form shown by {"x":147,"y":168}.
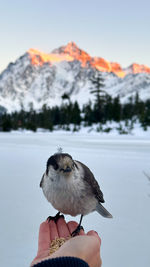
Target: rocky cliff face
{"x":43,"y":78}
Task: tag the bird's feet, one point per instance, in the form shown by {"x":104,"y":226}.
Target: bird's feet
{"x":77,"y":230}
{"x":55,"y":218}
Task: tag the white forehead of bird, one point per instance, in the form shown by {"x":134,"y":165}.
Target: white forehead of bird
{"x":65,"y":162}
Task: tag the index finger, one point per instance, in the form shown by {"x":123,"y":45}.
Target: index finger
{"x":44,"y":238}
{"x":62,"y":227}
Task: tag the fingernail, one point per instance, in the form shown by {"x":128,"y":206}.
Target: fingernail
{"x":96,"y":232}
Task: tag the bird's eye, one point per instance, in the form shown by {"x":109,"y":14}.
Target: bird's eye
{"x":73,"y":165}
{"x":55,"y":166}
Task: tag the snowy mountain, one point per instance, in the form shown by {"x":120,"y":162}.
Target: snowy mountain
{"x":43,"y":78}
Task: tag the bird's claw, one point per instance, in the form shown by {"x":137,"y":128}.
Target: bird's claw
{"x":55,"y":218}
{"x":77,"y":230}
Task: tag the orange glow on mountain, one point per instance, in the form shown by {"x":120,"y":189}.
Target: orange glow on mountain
{"x":136,"y":68}
{"x":71,"y":52}
{"x":39,"y":58}
{"x":117,"y":69}
{"x":78,"y":54}
{"x":101,"y":64}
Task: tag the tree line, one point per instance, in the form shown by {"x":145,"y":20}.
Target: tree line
{"x":104,"y":108}
{"x":70,"y":113}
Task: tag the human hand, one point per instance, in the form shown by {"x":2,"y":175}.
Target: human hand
{"x":83,"y":246}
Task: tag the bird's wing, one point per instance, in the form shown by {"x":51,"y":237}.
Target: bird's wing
{"x":41,"y":183}
{"x":90,"y":179}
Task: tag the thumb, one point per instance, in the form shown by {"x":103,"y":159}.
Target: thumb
{"x":93,"y":233}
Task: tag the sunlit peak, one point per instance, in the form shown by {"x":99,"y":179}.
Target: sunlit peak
{"x":72,"y":52}
{"x":39,"y":58}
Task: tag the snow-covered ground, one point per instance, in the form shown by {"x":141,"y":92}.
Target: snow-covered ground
{"x":118,"y":163}
{"x":110,"y":128}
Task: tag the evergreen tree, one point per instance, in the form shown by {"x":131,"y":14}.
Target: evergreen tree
{"x":76,"y":117}
{"x":88,"y":113}
{"x":136,"y":104}
{"x":108,"y":108}
{"x":145,"y":115}
{"x":31,"y":119}
{"x":98,"y":82}
{"x":147,"y":112}
{"x":45,"y":118}
{"x":116,"y":110}
{"x":128,"y":110}
{"x":55,"y":115}
{"x":6,"y":123}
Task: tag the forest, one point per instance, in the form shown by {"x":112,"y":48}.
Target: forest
{"x":103,"y":109}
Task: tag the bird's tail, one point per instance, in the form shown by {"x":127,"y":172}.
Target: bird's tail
{"x":101,"y":210}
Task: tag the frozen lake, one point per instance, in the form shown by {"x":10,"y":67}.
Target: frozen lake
{"x":118,"y":164}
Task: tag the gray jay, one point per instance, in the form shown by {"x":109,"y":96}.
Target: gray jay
{"x":71,"y":188}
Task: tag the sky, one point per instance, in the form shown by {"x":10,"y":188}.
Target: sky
{"x":115,"y":30}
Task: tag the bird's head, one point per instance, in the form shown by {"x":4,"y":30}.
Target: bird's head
{"x":60,"y":164}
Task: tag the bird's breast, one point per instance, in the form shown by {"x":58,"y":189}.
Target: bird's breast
{"x":69,"y":197}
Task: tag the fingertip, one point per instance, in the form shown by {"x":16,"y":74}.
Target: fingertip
{"x":72,"y":224}
{"x":94,"y":233}
{"x":52,"y":223}
{"x":44,"y":226}
{"x":61,"y":220}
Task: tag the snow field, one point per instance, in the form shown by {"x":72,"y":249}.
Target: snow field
{"x":117,"y":162}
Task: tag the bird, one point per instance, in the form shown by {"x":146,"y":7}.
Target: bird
{"x":71,"y":188}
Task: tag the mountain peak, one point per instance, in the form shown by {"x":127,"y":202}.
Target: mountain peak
{"x":70,"y":48}
{"x":41,"y":78}
{"x":75,"y":52}
{"x":136,"y":68}
{"x":72,"y":45}
{"x":71,"y":52}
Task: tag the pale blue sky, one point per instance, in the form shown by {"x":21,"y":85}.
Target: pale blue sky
{"x":118,"y":31}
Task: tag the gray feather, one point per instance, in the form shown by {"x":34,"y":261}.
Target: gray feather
{"x":90,"y":179}
{"x":42,"y":180}
{"x":101,"y":210}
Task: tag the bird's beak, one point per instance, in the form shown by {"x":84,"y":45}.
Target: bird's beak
{"x":68,"y":169}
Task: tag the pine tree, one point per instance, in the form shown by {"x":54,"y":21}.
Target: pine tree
{"x":136,"y":104}
{"x":128,"y":110}
{"x":108,"y":109}
{"x":98,"y":82}
{"x":88,"y":114}
{"x":76,"y":118}
{"x":6,"y":123}
{"x":116,"y":111}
